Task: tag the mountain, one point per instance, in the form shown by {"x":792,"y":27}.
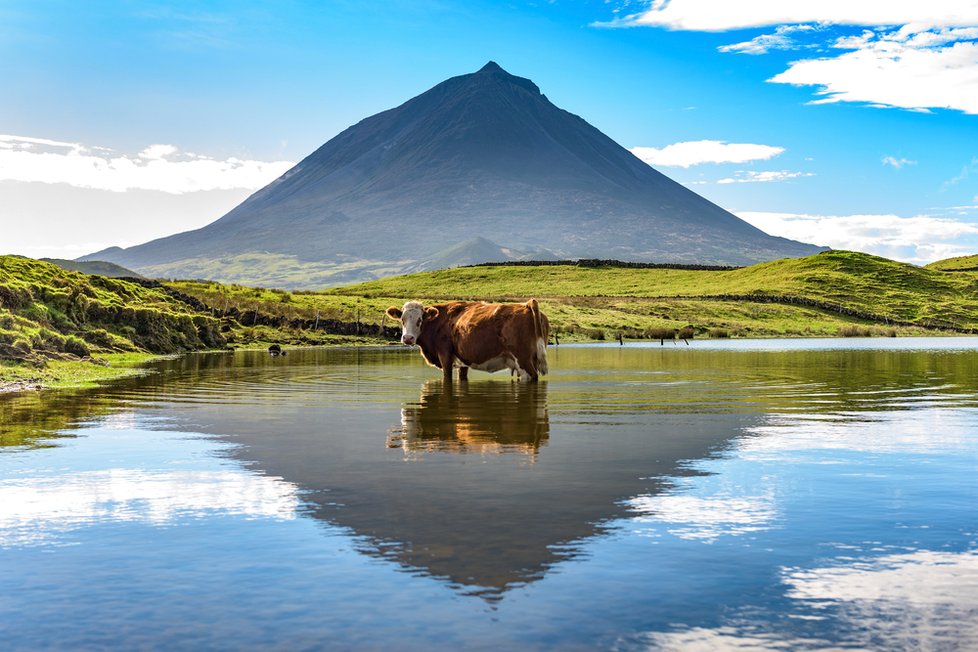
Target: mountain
{"x":483,"y":155}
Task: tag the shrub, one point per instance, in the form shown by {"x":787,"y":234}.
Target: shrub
{"x":76,"y":346}
{"x":719,"y":333}
{"x":661,"y":333}
{"x":852,"y":330}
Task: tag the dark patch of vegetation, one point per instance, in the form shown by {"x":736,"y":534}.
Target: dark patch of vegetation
{"x":597,"y":262}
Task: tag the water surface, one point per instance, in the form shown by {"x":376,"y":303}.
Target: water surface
{"x":753,"y":495}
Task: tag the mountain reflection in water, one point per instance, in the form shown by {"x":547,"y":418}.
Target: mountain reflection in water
{"x":440,"y":493}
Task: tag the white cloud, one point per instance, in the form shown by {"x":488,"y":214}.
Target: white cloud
{"x":781,"y":39}
{"x":156,"y":152}
{"x":763,"y":176}
{"x":157,"y":167}
{"x":723,"y":15}
{"x":697,"y":152}
{"x":896,"y":68}
{"x":919,"y":240}
{"x":913,"y":55}
{"x":897,"y":162}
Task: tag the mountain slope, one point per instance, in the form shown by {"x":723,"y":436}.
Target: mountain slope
{"x":479,"y":155}
{"x":99,"y":267}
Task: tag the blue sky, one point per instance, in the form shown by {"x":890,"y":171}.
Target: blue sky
{"x":849,"y":124}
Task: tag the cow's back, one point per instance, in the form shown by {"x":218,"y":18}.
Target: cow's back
{"x":483,"y":332}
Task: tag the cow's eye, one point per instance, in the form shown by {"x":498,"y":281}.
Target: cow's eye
{"x":419,"y":323}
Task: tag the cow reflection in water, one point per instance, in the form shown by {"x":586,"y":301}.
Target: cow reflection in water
{"x":483,"y":418}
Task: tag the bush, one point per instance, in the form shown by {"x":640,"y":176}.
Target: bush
{"x":76,"y":346}
{"x":719,"y":333}
{"x":853,"y":330}
{"x":661,"y":333}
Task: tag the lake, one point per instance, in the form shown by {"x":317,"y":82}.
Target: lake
{"x":782,"y":494}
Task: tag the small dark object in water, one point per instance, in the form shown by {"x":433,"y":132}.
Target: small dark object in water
{"x":276,"y":349}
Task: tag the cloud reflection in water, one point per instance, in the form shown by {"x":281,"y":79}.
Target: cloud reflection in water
{"x":37,"y":509}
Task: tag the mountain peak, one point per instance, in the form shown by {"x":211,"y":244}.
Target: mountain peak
{"x":492,"y":66}
{"x":492,"y":73}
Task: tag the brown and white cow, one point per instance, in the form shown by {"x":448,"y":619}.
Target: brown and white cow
{"x":478,"y":335}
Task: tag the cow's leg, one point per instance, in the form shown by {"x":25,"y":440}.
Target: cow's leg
{"x":463,"y":373}
{"x":446,"y":360}
{"x":526,"y":372}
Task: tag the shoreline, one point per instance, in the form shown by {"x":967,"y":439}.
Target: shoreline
{"x":18,"y":379}
{"x":66,"y":374}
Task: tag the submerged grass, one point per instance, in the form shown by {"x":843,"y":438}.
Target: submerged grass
{"x":62,"y":374}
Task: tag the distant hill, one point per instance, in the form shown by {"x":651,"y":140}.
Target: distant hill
{"x":957,"y":264}
{"x":483,"y":157}
{"x":100,"y":267}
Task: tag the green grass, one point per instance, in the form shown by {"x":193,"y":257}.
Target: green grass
{"x":276,"y":270}
{"x":796,"y":296}
{"x":957,"y":264}
{"x":72,"y":373}
{"x":100,"y":267}
{"x":50,"y":313}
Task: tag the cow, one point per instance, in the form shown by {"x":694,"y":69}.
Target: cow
{"x":477,"y":335}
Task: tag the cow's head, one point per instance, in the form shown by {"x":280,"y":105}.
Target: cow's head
{"x":412,"y":316}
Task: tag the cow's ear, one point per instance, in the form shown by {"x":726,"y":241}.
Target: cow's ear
{"x":430,"y":312}
{"x":394,"y":312}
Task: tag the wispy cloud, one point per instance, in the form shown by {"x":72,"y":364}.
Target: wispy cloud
{"x":897,"y":163}
{"x":157,"y":167}
{"x":697,"y":152}
{"x":763,"y":176}
{"x":783,"y":38}
{"x":966,"y":171}
{"x":723,"y":15}
{"x":912,"y":55}
{"x":904,"y":68}
{"x":920,"y":239}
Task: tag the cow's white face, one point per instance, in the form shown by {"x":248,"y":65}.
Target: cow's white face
{"x":411,"y":316}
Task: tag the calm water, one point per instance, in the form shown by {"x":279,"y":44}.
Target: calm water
{"x":740,"y":495}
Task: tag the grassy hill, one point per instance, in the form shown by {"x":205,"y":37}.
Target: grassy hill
{"x":47,"y":312}
{"x":793,"y":296}
{"x":829,"y":294}
{"x":100,"y":267}
{"x":63,"y":326}
{"x":957,"y":264}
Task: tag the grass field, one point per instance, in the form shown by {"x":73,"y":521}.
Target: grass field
{"x":821,"y":294}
